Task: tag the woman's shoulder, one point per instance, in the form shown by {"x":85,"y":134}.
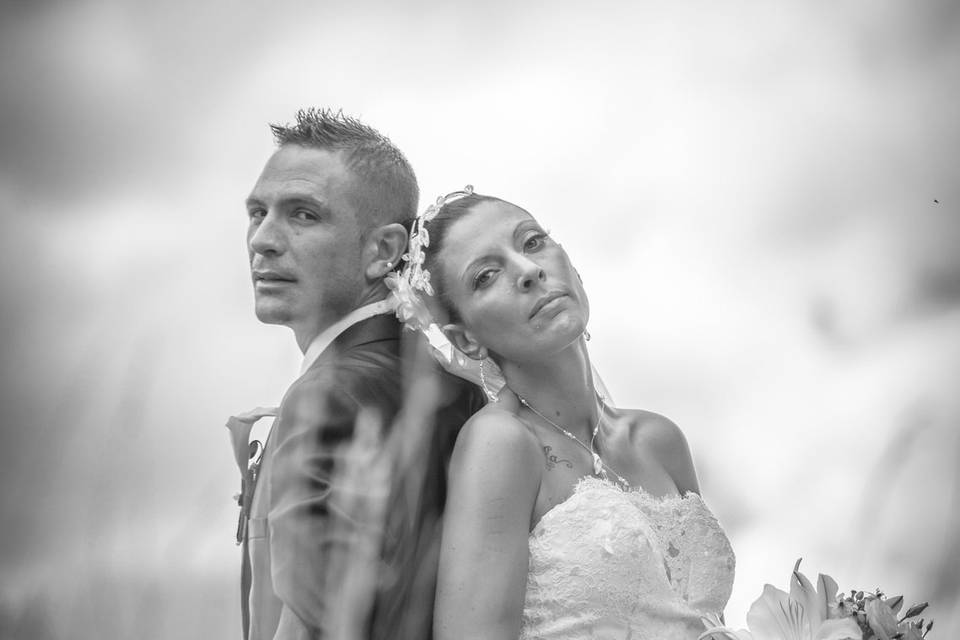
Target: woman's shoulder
{"x":495,"y":439}
{"x":653,"y":429}
{"x":498,"y":427}
{"x":662,"y":437}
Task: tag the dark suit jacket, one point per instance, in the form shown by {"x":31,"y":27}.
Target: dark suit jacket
{"x":297,"y":529}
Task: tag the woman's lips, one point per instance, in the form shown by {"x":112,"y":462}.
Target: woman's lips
{"x":547,"y":301}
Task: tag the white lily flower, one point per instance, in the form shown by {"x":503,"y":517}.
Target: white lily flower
{"x":800,"y":615}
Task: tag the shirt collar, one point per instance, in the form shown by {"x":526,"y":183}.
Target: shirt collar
{"x":319,"y":344}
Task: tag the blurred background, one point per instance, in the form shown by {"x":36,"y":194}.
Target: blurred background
{"x":762,"y":199}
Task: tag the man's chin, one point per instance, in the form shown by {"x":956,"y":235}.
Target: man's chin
{"x":269,"y":312}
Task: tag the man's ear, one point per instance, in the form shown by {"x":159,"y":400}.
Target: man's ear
{"x":385,"y":245}
{"x":465,"y":341}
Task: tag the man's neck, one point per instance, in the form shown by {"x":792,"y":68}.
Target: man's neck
{"x":306,"y":338}
{"x":306,"y":334}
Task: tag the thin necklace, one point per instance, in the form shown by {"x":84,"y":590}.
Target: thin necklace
{"x":598,"y":463}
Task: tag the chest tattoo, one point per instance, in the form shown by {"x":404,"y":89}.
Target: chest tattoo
{"x":553,"y":460}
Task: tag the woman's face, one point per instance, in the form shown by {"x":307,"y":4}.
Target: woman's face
{"x":513,"y":287}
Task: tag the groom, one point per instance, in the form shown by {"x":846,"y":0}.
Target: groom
{"x":325,"y":226}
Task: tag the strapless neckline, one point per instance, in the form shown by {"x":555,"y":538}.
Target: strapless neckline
{"x":587,"y":482}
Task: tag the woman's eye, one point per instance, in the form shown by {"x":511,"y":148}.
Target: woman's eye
{"x":483,"y":278}
{"x":534,"y":242}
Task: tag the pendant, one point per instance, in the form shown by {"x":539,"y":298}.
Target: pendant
{"x":597,"y":464}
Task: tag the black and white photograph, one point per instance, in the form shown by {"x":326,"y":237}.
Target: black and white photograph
{"x":480,"y":321}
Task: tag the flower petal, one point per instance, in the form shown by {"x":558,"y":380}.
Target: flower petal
{"x":827,"y":592}
{"x":715,"y":630}
{"x":774,"y":616}
{"x":803,"y":592}
{"x":840,"y":629}
{"x":724,"y":633}
{"x":881,"y":619}
{"x":895,"y":603}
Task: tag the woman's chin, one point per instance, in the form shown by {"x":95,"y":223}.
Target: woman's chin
{"x":565,"y":331}
{"x":569,"y":326}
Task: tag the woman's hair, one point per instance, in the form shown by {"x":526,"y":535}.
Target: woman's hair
{"x":438,"y":228}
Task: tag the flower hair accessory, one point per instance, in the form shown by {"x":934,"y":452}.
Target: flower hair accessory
{"x":410,"y":284}
{"x":406,"y":282}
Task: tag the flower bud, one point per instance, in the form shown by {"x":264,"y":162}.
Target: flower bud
{"x":915,"y":610}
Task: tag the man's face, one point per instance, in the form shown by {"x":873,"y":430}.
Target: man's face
{"x":304,"y":241}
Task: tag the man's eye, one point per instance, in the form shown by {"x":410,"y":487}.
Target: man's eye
{"x":256,"y":214}
{"x":304,"y":215}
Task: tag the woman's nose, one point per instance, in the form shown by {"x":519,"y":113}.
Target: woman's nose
{"x":530,"y":274}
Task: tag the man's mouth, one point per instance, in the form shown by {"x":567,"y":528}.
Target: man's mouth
{"x":545,"y":300}
{"x":271,"y":276}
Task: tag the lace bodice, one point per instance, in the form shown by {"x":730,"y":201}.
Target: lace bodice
{"x":608,"y":563}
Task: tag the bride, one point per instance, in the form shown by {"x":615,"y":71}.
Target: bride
{"x":566,"y":517}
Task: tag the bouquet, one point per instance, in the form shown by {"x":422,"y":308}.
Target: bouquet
{"x":808,"y":613}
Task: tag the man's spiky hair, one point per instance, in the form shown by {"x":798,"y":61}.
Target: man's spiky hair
{"x":388,"y":190}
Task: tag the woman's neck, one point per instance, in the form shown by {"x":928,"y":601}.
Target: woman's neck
{"x":561,"y":388}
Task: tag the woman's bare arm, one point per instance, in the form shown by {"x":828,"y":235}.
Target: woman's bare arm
{"x":494,"y":480}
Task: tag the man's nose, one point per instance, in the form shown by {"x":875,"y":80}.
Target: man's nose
{"x":530,"y":274}
{"x":267,"y":236}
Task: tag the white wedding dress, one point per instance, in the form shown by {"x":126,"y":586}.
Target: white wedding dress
{"x":614,"y":564}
